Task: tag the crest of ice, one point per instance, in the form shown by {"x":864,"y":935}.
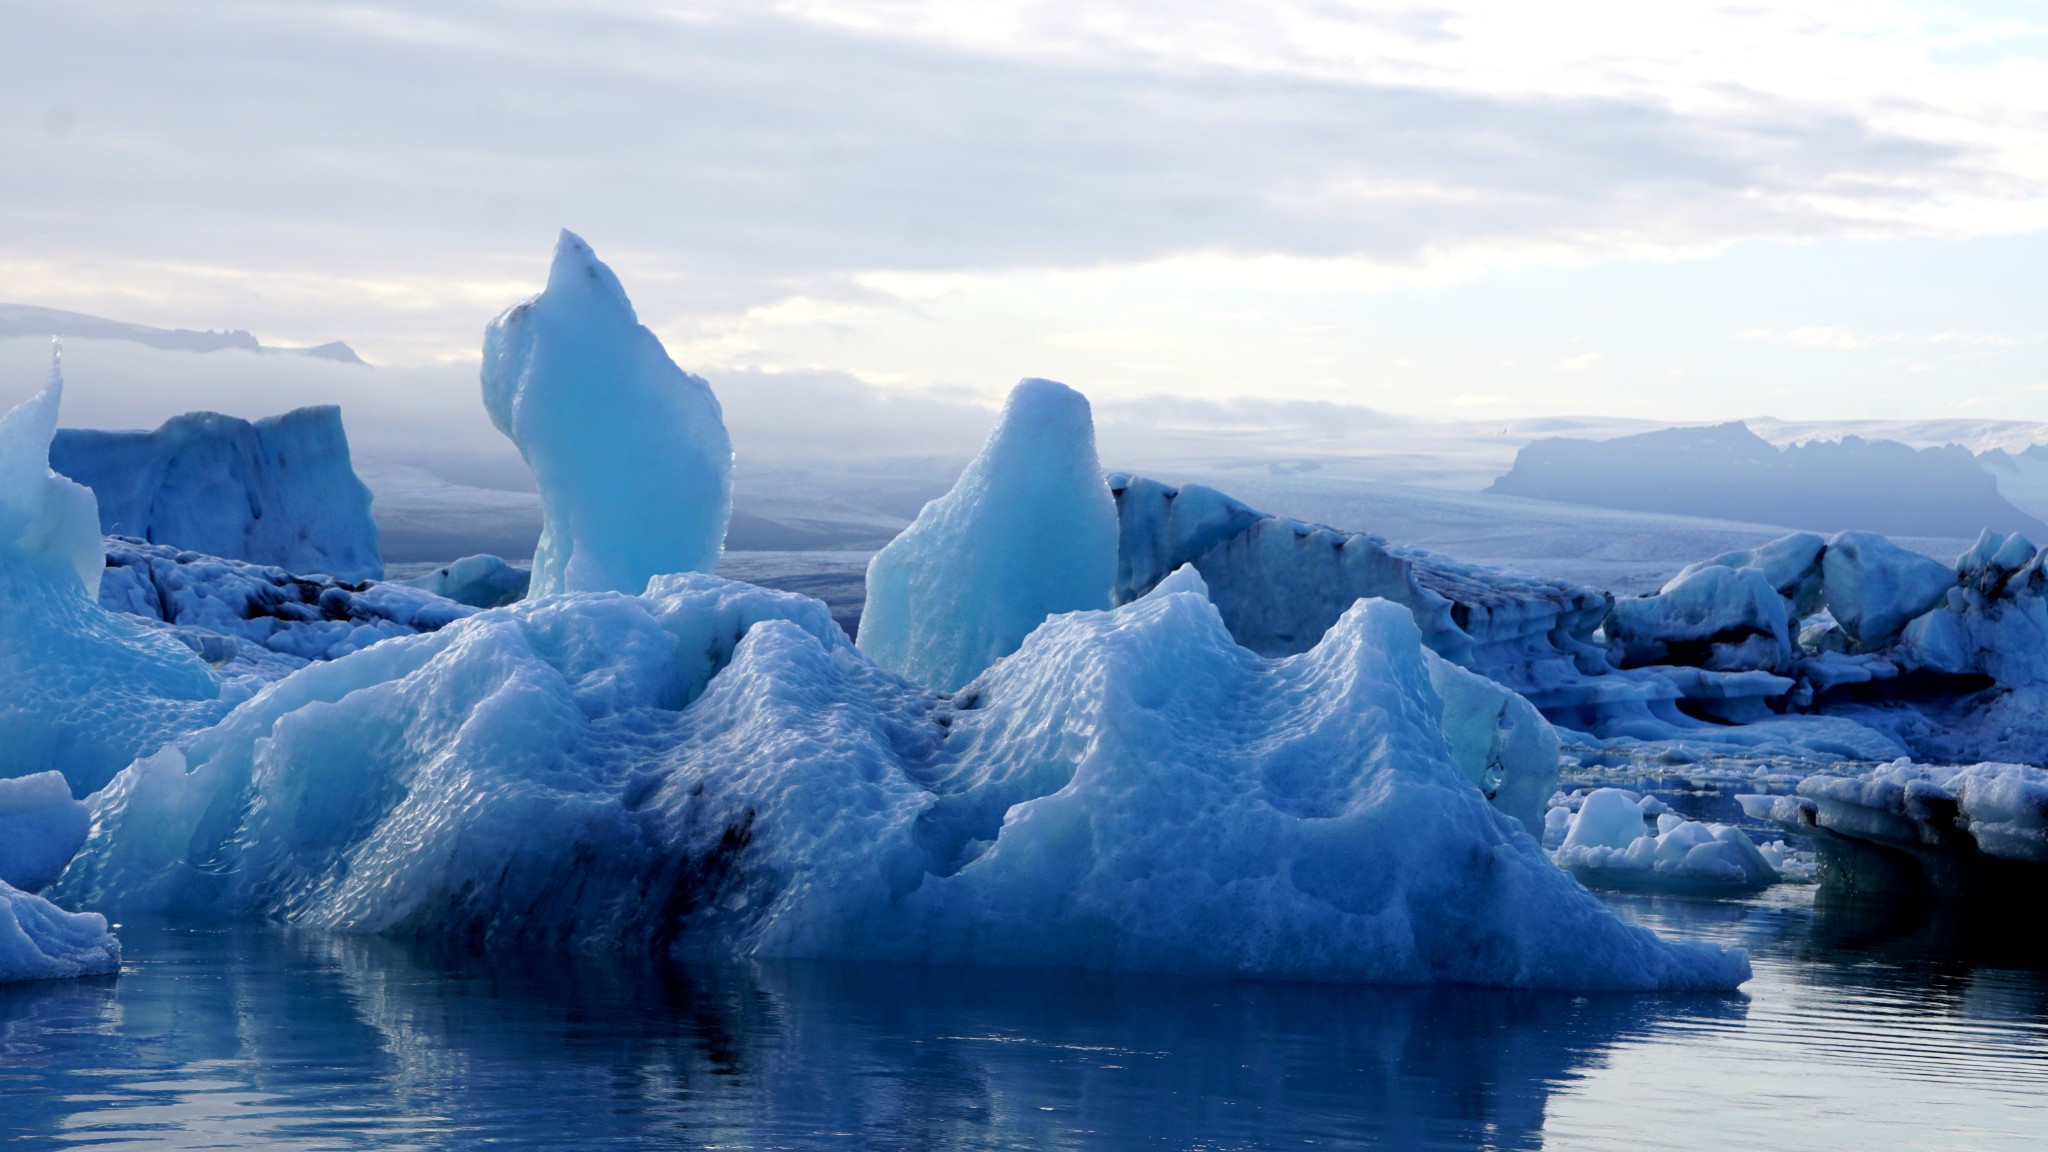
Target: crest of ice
{"x":1029,"y":531}
{"x":49,"y":525}
{"x":86,"y":690}
{"x":712,"y":770}
{"x":629,"y":451}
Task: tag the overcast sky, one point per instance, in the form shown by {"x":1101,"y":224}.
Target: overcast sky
{"x":1676,"y":210}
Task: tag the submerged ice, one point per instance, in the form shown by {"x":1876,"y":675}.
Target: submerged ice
{"x":629,"y":451}
{"x":711,"y":768}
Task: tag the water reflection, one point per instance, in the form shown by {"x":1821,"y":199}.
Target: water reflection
{"x":300,"y":1040}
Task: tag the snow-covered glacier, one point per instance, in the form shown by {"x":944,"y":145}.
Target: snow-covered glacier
{"x":87,"y":690}
{"x":1028,"y":531}
{"x":712,"y":769}
{"x":279,"y":491}
{"x":630,"y":452}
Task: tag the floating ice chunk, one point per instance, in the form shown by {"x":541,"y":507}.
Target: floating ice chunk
{"x":1728,"y":619}
{"x":1873,"y":586}
{"x":1029,"y":531}
{"x":483,"y":581}
{"x":630,"y":452}
{"x":1793,"y":865}
{"x":279,"y":491}
{"x":1607,"y":818}
{"x":1608,"y":844}
{"x":40,"y":941}
{"x":2001,"y":808}
{"x":86,"y":690}
{"x":41,"y":827}
{"x":711,"y":770}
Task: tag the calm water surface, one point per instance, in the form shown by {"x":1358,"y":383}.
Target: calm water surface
{"x":1862,"y":1031}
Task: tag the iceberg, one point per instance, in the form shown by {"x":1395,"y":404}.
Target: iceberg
{"x":1791,"y":563}
{"x":1873,"y":587}
{"x":1028,"y":531}
{"x":629,"y":451}
{"x":1607,"y":844}
{"x":87,"y":690}
{"x":278,"y":492}
{"x":40,"y":941}
{"x":711,"y":769}
{"x":1724,"y":618}
{"x":1964,"y":832}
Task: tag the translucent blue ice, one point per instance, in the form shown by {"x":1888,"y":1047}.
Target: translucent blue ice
{"x":712,"y":770}
{"x":1028,"y":531}
{"x":630,"y":452}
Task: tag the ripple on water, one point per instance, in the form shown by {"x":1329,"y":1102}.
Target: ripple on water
{"x":1863,"y":1030}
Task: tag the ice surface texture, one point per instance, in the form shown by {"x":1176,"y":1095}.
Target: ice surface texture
{"x":711,"y":769}
{"x":41,"y":827}
{"x":40,"y":941}
{"x":266,"y":620}
{"x":279,"y":491}
{"x":630,"y":452}
{"x":87,"y":690}
{"x":1999,"y":810}
{"x":1029,"y":531}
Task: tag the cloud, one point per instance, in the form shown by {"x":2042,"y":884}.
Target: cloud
{"x":1841,"y":339}
{"x":390,"y":177}
{"x":1851,"y":340}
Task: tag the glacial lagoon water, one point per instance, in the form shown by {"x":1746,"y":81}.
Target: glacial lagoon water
{"x":1865,"y":1029}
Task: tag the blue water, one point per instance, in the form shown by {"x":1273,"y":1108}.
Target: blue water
{"x":1863,"y":1030}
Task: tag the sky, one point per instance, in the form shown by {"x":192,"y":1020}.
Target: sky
{"x":1680,"y":211}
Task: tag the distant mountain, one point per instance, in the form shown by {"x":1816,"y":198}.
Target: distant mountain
{"x":29,"y":320}
{"x":1728,"y":472}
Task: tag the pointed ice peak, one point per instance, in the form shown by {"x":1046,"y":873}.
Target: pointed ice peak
{"x":43,"y":516}
{"x":577,"y":271}
{"x":25,"y":431}
{"x":629,"y":451}
{"x":1028,"y":531}
{"x":1182,"y":579}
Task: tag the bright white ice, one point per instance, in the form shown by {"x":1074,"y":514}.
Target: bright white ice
{"x":1606,"y":842}
{"x":630,"y":452}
